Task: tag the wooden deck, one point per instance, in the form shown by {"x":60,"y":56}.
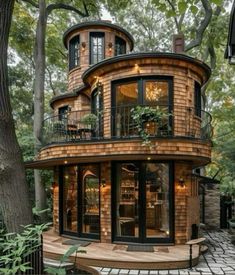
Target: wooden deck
{"x":116,"y":256}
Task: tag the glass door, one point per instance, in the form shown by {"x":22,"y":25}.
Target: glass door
{"x":89,"y":197}
{"x":80,"y":201}
{"x":157,"y":202}
{"x":127,"y":201}
{"x":69,"y":202}
{"x":142,"y":200}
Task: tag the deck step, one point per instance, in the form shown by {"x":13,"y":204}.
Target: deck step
{"x":54,"y":263}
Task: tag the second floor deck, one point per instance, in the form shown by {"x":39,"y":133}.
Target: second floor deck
{"x":128,"y":122}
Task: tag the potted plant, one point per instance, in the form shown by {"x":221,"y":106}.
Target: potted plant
{"x":89,"y":121}
{"x":58,"y":126}
{"x":143,"y":115}
{"x":231,"y":223}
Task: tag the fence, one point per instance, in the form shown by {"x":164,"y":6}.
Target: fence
{"x":32,"y":259}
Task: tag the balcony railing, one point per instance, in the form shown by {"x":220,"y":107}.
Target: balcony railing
{"x":120,"y":123}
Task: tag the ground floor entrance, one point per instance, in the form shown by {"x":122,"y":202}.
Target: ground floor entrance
{"x":142,"y":202}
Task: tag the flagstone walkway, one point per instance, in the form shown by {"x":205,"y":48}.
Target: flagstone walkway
{"x":219,"y":260}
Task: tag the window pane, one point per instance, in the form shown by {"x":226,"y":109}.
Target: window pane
{"x":127,"y":193}
{"x":156,"y":92}
{"x":90,"y":203}
{"x":157,"y":202}
{"x":120,"y":46}
{"x":126,"y":98}
{"x":97,"y":47}
{"x":74,"y":52}
{"x":70,"y":199}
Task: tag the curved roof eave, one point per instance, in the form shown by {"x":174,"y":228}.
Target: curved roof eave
{"x":132,"y":56}
{"x":68,"y":95}
{"x":98,"y":23}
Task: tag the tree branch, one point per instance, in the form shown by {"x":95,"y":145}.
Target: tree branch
{"x":32,"y":3}
{"x":175,"y":18}
{"x":202,"y":27}
{"x":212,"y":53}
{"x":52,"y":7}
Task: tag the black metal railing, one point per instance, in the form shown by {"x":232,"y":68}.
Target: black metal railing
{"x":124,"y":122}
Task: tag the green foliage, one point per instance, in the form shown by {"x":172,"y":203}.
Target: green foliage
{"x":61,"y":270}
{"x":89,"y":120}
{"x":143,"y":114}
{"x":14,"y":248}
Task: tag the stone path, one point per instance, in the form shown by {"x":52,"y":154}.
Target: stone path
{"x":219,"y":260}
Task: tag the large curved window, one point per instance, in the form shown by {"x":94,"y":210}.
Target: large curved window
{"x":154,"y":92}
{"x":96,"y":47}
{"x":120,"y":46}
{"x":74,"y":52}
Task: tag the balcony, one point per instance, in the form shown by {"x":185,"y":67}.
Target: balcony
{"x":120,"y":123}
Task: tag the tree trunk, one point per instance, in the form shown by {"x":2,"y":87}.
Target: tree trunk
{"x":14,"y":193}
{"x":40,"y":195}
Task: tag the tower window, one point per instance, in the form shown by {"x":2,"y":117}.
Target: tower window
{"x":74,"y":52}
{"x":120,"y":46}
{"x":96,"y":47}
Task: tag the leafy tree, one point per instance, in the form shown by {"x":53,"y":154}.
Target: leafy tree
{"x":15,"y":205}
{"x":45,"y":10}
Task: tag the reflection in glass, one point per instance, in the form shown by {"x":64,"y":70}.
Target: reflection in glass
{"x":70,"y":199}
{"x":97,"y":47}
{"x":120,"y":46}
{"x":126,"y":98}
{"x":127,"y":200}
{"x":90,"y":201}
{"x":157,"y":203}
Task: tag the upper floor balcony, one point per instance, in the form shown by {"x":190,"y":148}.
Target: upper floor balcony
{"x":128,"y":122}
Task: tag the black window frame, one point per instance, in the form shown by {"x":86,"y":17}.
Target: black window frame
{"x":62,"y":111}
{"x":120,"y":46}
{"x":197,"y":99}
{"x":74,"y":52}
{"x":79,"y":233}
{"x":142,"y":200}
{"x":92,"y":36}
{"x":140,"y":100}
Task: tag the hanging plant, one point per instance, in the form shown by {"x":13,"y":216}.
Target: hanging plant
{"x":144,"y":114}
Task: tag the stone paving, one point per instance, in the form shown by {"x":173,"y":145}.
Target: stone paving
{"x":219,"y":260}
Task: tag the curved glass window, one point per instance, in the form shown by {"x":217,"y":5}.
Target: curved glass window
{"x":74,"y":52}
{"x":152,"y":92}
{"x":120,"y":46}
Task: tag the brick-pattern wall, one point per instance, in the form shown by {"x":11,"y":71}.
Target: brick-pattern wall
{"x":212,"y":207}
{"x":105,"y":203}
{"x":187,"y":203}
{"x":198,"y":151}
{"x":55,"y":198}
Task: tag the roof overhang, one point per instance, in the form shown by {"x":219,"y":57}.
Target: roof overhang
{"x":100,"y":23}
{"x":104,"y":65}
